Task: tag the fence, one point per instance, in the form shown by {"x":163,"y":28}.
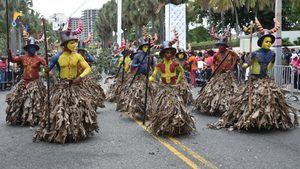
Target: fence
{"x":8,"y":79}
{"x":288,"y":79}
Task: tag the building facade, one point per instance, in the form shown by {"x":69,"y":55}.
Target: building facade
{"x":88,"y":18}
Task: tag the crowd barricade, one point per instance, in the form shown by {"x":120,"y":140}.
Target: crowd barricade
{"x":287,"y":78}
{"x":8,"y":79}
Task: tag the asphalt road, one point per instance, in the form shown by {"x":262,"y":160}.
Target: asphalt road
{"x":124,"y":143}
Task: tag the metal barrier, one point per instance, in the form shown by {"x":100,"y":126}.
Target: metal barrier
{"x":287,"y":78}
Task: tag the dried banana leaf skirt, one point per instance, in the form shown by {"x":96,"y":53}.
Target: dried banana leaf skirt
{"x":95,"y":91}
{"x":169,"y":114}
{"x":268,"y":109}
{"x":214,"y":99}
{"x":116,"y":87}
{"x":72,"y":116}
{"x":185,"y":92}
{"x":25,"y":104}
{"x":132,"y":98}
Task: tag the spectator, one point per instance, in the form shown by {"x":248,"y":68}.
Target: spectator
{"x":286,"y":55}
{"x":208,"y":62}
{"x":193,"y":65}
{"x":3,"y":66}
{"x":295,"y":63}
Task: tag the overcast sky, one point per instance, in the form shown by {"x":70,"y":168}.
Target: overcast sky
{"x":68,"y":7}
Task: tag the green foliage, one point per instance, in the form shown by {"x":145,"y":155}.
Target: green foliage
{"x":103,"y":62}
{"x":198,"y":34}
{"x":211,"y":44}
{"x":286,"y":42}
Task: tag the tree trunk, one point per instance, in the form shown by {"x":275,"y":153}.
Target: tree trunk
{"x":222,"y":20}
{"x":236,"y":22}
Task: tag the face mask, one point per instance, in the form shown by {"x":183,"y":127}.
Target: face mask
{"x":71,"y":45}
{"x":222,"y":48}
{"x":31,"y":50}
{"x":267,"y":43}
{"x":180,"y":56}
{"x":145,"y":48}
{"x":168,"y":55}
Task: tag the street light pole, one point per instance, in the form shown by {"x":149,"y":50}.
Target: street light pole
{"x":278,"y":42}
{"x":119,"y":29}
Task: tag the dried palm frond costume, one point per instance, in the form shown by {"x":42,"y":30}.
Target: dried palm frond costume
{"x":117,"y":86}
{"x":260,"y":104}
{"x":132,"y":97}
{"x":93,"y":89}
{"x":214,"y":98}
{"x":72,"y":116}
{"x":169,"y":115}
{"x":184,"y":87}
{"x":26,"y":102}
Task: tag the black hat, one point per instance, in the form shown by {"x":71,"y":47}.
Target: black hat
{"x":262,"y":37}
{"x":167,"y":46}
{"x":66,"y":36}
{"x":142,"y":42}
{"x":31,"y":42}
{"x":179,"y":52}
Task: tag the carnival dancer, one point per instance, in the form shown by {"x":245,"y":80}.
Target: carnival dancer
{"x":260,"y":104}
{"x":94,"y":90}
{"x":132,"y":96}
{"x":214,"y":96}
{"x":169,"y":115}
{"x":123,"y":75}
{"x":185,"y":87}
{"x":26,"y":102}
{"x":72,"y":117}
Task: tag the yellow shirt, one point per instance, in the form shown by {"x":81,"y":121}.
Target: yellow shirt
{"x":69,"y":62}
{"x":127,"y":63}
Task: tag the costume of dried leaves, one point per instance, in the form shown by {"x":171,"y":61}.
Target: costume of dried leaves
{"x":269,"y":109}
{"x":132,"y":98}
{"x":214,"y":99}
{"x":185,"y":91}
{"x":72,"y":114}
{"x":25,"y":104}
{"x":260,"y":104}
{"x":116,"y":87}
{"x":72,"y":117}
{"x":169,"y":114}
{"x":95,"y":91}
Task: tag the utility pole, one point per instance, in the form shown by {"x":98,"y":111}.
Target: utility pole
{"x":119,"y":29}
{"x":278,"y":41}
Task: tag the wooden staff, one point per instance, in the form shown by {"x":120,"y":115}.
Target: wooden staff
{"x":250,"y":70}
{"x":47,"y":76}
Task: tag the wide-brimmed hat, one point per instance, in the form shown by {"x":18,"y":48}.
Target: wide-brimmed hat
{"x":65,"y":37}
{"x":31,"y":42}
{"x":262,"y":37}
{"x":167,"y":45}
{"x":143,"y":42}
{"x":181,"y":52}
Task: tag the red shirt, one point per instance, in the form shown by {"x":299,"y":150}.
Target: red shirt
{"x":31,"y":65}
{"x":228,"y":64}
